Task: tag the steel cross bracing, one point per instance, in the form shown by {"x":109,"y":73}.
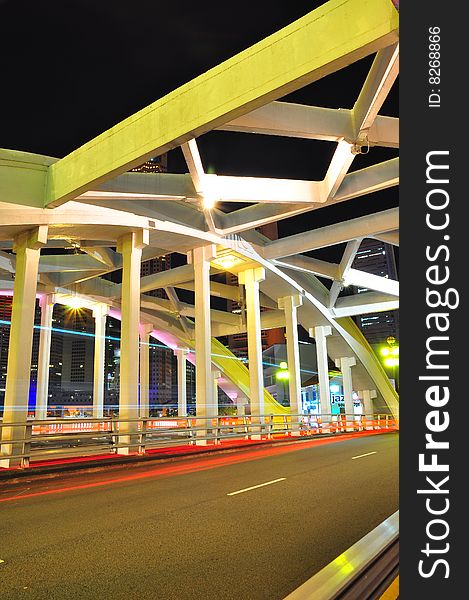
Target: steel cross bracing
{"x":88,"y":200}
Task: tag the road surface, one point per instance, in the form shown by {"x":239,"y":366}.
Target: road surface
{"x":197,"y":528}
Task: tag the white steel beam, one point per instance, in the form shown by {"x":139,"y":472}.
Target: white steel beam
{"x":364,"y":303}
{"x":306,"y":264}
{"x":389,"y":237}
{"x":313,"y":122}
{"x":371,"y":282}
{"x":262,"y":189}
{"x":106,"y":256}
{"x":220,"y":290}
{"x":340,"y":163}
{"x":169,"y":278}
{"x":358,"y":183}
{"x":197,"y":173}
{"x":194,"y":163}
{"x":366,"y":181}
{"x":7,"y":262}
{"x":333,"y":234}
{"x":381,"y":77}
{"x":345,"y":264}
{"x":308,"y":49}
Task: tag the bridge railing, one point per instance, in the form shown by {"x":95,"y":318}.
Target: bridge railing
{"x":366,"y":570}
{"x":36,"y":440}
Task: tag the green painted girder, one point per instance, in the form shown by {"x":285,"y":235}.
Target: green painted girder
{"x":327,"y":39}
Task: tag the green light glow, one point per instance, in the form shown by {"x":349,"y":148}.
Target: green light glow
{"x":282,"y":375}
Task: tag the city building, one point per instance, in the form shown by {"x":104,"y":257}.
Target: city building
{"x":377,"y":258}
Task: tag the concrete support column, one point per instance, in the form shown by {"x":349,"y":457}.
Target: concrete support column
{"x":290,"y":305}
{"x":145,"y":331}
{"x":205,"y":405}
{"x":100,"y":312}
{"x":345,"y":364}
{"x":42,"y":389}
{"x":130,"y":246}
{"x":320,"y":334}
{"x":181,"y":355}
{"x":366,"y":397}
{"x":240,"y":405}
{"x":251,"y":279}
{"x":216,"y":374}
{"x":27,"y":248}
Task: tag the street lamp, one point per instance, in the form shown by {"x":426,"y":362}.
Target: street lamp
{"x":283,"y":375}
{"x":390,"y":354}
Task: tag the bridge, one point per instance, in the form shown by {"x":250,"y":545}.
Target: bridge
{"x":115,"y":218}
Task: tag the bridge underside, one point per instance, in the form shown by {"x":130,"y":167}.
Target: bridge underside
{"x":67,"y":223}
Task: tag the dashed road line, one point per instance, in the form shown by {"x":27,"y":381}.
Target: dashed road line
{"x":254,"y":487}
{"x":362,"y":455}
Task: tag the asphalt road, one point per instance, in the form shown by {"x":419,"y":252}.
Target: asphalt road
{"x":171,"y":531}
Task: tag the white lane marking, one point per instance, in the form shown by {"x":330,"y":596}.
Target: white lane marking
{"x":362,"y":455}
{"x":256,"y":486}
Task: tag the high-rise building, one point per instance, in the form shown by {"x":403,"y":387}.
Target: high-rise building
{"x":377,"y":258}
{"x":158,"y":164}
{"x":71,"y":357}
{"x":5,"y":318}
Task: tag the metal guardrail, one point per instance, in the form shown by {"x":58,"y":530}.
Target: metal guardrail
{"x":363,"y":571}
{"x":65,"y":437}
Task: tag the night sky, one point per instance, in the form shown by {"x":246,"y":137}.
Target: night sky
{"x":70,"y":70}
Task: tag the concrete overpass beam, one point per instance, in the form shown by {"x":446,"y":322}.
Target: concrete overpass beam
{"x":290,"y":305}
{"x":366,"y":397}
{"x":42,"y":389}
{"x":240,"y":405}
{"x":27,"y":247}
{"x":144,"y":405}
{"x":130,"y":246}
{"x":205,"y":405}
{"x":216,"y":374}
{"x":100,"y":312}
{"x":320,"y":334}
{"x":181,"y":355}
{"x":251,"y":278}
{"x":345,"y":364}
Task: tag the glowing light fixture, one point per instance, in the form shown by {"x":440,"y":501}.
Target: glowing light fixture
{"x":227,"y":261}
{"x":282,"y":375}
{"x":283,"y":365}
{"x":390,"y":353}
{"x":209,"y":201}
{"x":75,"y":303}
